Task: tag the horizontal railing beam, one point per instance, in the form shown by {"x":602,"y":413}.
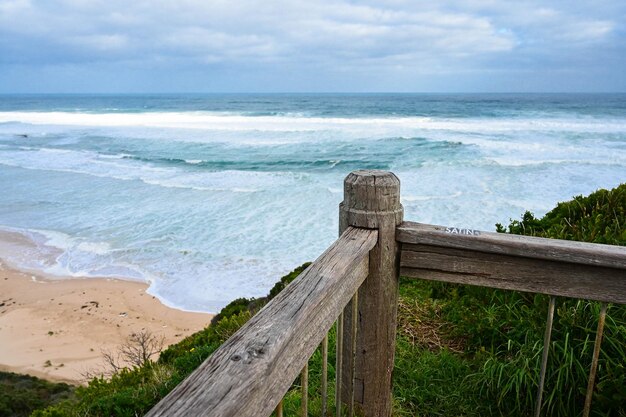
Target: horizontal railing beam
{"x":512,"y":262}
{"x":250,"y":373}
{"x":584,"y":253}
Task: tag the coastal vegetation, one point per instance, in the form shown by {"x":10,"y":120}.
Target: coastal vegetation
{"x":466,"y":350}
{"x":20,"y":395}
{"x":461,"y":350}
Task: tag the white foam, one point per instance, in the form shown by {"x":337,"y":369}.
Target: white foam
{"x":114,"y":156}
{"x":106,"y":166}
{"x":51,"y":238}
{"x":202,"y":249}
{"x":99,"y":248}
{"x":412,"y":198}
{"x":57,"y":254}
{"x":401,"y":126}
{"x":516,"y":162}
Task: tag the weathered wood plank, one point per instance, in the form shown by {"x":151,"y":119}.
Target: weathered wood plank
{"x":249,"y":374}
{"x":372,"y":200}
{"x":506,"y":244}
{"x":509,"y":272}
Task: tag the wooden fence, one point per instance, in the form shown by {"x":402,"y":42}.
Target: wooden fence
{"x":355,"y":285}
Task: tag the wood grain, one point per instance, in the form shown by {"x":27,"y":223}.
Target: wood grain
{"x":525,"y":246}
{"x":496,"y":270}
{"x":249,"y":374}
{"x":372,"y":200}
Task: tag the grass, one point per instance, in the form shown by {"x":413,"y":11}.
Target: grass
{"x":441,"y":369}
{"x":470,"y":351}
{"x":461,"y":350}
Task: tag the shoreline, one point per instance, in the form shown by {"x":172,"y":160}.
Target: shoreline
{"x":57,"y":329}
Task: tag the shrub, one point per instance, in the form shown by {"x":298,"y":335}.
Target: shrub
{"x":482,"y":357}
{"x":505,"y":328}
{"x":599,"y":218}
{"x":500,"y":334}
{"x":22,"y":394}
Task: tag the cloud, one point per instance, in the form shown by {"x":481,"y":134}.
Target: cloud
{"x":103,"y":43}
{"x":384,"y":36}
{"x":252,"y":29}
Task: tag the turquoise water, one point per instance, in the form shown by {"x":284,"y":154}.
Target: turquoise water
{"x":213,"y":197}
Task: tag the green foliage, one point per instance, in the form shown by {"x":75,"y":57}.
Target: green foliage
{"x":599,"y":218}
{"x":20,"y":395}
{"x":284,"y":281}
{"x":196,"y":347}
{"x":241,"y":307}
{"x":503,"y":330}
{"x":482,"y":358}
{"x":500,"y":334}
{"x":430,"y":383}
{"x":232,"y":308}
{"x":127,"y":393}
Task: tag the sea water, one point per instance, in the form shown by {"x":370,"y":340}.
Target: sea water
{"x":213,"y":197}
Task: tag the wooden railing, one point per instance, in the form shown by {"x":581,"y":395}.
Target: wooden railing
{"x":249,"y":374}
{"x":355,"y":284}
{"x":523,"y":263}
{"x":512,"y":262}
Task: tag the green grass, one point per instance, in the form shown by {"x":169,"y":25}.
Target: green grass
{"x":461,"y":350}
{"x":502,"y":338}
{"x":470,"y":351}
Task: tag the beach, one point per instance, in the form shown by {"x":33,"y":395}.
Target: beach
{"x":211,"y":198}
{"x":57,"y":328}
{"x":214,"y":197}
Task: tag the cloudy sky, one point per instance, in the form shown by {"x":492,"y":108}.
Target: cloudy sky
{"x":311,"y":46}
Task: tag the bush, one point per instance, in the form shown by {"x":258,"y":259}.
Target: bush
{"x":598,"y":218}
{"x":22,"y":394}
{"x":461,"y":350}
{"x":503,"y":330}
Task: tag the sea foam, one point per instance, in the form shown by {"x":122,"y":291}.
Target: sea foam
{"x":211,"y":205}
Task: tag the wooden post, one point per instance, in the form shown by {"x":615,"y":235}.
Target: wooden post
{"x":372,"y":200}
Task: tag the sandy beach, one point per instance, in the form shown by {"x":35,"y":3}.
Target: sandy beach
{"x":57,"y":328}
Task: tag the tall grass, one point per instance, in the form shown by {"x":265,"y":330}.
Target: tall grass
{"x":461,"y":350}
{"x":503,"y":330}
{"x":470,"y":351}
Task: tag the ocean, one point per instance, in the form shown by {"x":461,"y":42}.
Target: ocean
{"x":214,"y":197}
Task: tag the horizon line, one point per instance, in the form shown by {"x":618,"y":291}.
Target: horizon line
{"x":300,"y":92}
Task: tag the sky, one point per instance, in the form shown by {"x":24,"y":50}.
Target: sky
{"x":143,"y":46}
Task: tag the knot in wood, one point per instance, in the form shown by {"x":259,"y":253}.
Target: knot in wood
{"x":251,"y":353}
{"x":256,"y":351}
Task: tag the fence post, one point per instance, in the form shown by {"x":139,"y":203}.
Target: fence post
{"x":372,"y":200}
